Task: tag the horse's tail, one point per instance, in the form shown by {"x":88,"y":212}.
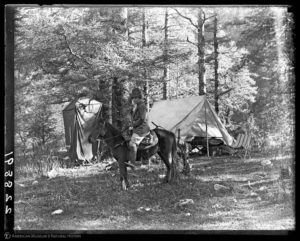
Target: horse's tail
{"x":174,"y":147}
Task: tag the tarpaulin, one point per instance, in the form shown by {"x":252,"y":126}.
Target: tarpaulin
{"x":79,"y":117}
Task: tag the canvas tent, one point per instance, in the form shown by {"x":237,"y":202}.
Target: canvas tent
{"x":192,"y":115}
{"x":79,"y":116}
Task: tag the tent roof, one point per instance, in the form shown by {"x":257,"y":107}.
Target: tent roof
{"x":168,"y":113}
{"x":188,"y":115}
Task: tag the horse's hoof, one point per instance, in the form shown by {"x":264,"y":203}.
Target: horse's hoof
{"x":166,"y":180}
{"x":124,"y":187}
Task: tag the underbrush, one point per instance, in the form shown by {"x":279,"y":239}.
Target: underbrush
{"x":38,"y":163}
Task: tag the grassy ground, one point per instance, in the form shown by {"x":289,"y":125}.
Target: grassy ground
{"x":90,"y":198}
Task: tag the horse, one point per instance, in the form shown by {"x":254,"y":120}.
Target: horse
{"x":166,"y":148}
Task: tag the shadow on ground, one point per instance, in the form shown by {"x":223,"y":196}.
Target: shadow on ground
{"x":90,"y":198}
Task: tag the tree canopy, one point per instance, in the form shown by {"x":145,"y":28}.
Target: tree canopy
{"x":241,"y":57}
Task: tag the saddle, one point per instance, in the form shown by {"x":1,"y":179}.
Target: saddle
{"x":149,"y":140}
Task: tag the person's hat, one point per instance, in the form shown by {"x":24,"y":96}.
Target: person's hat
{"x":136,"y":93}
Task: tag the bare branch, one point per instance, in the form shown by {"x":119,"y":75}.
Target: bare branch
{"x":190,"y":20}
{"x":73,"y":53}
{"x":187,"y":39}
{"x":209,"y":17}
{"x":168,"y":27}
{"x":225,"y":92}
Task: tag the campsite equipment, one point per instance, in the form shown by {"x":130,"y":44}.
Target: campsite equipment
{"x":79,"y":117}
{"x":166,"y":148}
{"x":194,"y":117}
{"x":241,"y":146}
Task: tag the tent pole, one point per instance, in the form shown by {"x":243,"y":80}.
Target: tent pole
{"x":207,"y":146}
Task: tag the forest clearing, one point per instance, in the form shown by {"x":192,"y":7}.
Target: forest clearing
{"x":255,"y":197}
{"x":209,"y":78}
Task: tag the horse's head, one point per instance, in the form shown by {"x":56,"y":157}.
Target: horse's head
{"x":98,"y":131}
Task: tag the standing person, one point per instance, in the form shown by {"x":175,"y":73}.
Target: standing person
{"x":139,"y":119}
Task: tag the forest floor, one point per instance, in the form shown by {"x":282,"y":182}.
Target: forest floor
{"x":249,"y":195}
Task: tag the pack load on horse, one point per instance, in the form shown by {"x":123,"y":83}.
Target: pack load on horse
{"x":143,"y":143}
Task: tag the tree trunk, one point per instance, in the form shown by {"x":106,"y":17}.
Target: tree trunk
{"x":43,"y":135}
{"x":227,"y":121}
{"x":125,"y":16}
{"x":201,"y":45}
{"x":143,"y":28}
{"x":279,"y":35}
{"x":117,"y":102}
{"x":216,"y":66}
{"x":144,"y":41}
{"x":166,"y":70}
{"x":110,"y":102}
{"x":117,"y":84}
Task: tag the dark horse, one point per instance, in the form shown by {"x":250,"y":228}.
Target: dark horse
{"x":166,"y":148}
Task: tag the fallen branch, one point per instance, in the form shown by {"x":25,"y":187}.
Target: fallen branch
{"x":249,"y":185}
{"x":258,"y":183}
{"x":132,"y":174}
{"x":130,"y":165}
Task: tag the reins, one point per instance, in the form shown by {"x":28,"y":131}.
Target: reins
{"x":119,"y":144}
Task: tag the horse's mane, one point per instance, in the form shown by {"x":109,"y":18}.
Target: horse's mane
{"x":114,"y":131}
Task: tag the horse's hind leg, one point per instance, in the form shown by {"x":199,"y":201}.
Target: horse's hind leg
{"x":167,"y":159}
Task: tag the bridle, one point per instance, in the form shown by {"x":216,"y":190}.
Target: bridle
{"x":112,"y":137}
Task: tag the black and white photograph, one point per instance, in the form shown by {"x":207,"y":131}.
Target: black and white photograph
{"x":149,"y":119}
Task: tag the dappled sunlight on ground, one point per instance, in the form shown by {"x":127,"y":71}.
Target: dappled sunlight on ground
{"x":249,"y":197}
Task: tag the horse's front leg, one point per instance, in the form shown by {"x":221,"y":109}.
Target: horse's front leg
{"x":168,"y":174}
{"x":123,"y":175}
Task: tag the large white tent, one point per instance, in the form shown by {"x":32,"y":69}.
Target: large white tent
{"x":194,"y":116}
